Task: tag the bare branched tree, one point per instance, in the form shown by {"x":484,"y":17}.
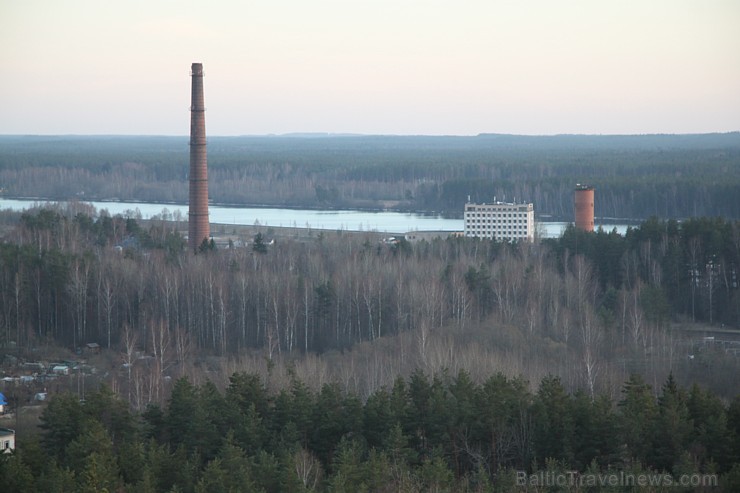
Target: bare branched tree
{"x":128,"y":342}
{"x":308,"y":468}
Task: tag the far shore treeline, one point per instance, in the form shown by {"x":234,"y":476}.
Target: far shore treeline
{"x":636,"y":176}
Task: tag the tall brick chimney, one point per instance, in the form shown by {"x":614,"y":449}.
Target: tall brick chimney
{"x":198,"y":226}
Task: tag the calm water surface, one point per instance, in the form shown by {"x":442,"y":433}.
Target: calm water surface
{"x":384,"y":221}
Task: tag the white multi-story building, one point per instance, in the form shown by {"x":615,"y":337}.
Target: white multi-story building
{"x":500,"y":221}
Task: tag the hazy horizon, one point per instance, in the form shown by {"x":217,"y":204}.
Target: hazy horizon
{"x":406,"y":68}
{"x":317,"y":135}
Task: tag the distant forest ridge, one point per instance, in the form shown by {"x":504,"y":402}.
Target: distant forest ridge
{"x":636,"y":176}
{"x":335,"y":140}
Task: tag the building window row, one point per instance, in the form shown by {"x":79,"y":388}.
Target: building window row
{"x":500,"y":220}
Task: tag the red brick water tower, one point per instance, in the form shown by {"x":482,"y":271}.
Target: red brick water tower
{"x":198,"y":226}
{"x":584,"y":207}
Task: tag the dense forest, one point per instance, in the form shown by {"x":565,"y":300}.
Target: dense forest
{"x":420,"y":434}
{"x":591,"y":307}
{"x":669,"y":176}
{"x":338,"y":362}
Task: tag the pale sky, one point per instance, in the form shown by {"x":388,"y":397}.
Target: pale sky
{"x":455,"y":67}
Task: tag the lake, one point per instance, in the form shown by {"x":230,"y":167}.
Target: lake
{"x":347,"y":220}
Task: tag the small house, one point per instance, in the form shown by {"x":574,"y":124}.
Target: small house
{"x":92,"y":348}
{"x":7,"y":440}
